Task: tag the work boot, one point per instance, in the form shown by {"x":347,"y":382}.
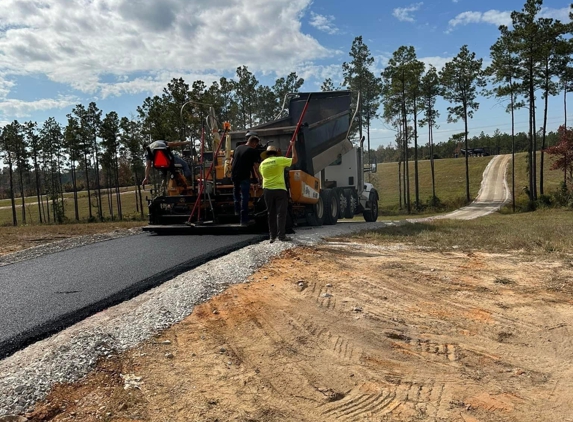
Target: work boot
{"x":286,"y":239}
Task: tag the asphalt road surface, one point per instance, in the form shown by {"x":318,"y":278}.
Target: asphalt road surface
{"x":46,"y":294}
{"x":494,"y":192}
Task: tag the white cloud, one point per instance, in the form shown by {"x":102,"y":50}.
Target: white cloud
{"x":5,"y":86}
{"x":82,"y":43}
{"x":405,"y":13}
{"x":437,"y":61}
{"x":491,"y":16}
{"x":560,"y":14}
{"x":323,"y":23}
{"x":153,"y":83}
{"x":22,"y":109}
{"x":496,"y":17}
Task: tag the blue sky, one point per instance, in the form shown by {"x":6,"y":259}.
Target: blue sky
{"x":58,"y":53}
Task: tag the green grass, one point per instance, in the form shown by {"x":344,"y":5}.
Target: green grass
{"x":541,"y":232}
{"x":32,"y":214}
{"x":551,"y":178}
{"x":450,"y":182}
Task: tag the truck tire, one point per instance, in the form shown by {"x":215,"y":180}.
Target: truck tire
{"x":352,"y":200}
{"x":342,"y":203}
{"x":315,"y":213}
{"x":371,"y":214}
{"x":331,"y":206}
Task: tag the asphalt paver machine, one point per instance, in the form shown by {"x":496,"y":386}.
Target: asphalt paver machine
{"x":325,"y":185}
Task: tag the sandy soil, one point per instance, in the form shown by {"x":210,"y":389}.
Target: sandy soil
{"x":353,"y":332}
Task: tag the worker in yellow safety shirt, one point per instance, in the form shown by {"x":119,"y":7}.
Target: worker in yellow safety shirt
{"x":275,"y":191}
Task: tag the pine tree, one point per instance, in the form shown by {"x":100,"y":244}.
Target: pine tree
{"x":461,"y":78}
{"x":359,"y":78}
{"x":430,"y":89}
{"x":401,"y":87}
{"x":526,"y":44}
{"x":505,"y":72}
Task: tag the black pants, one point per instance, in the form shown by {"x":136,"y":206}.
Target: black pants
{"x":277,"y":204}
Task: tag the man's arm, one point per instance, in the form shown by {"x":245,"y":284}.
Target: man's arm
{"x":178,"y":143}
{"x":257,"y":172}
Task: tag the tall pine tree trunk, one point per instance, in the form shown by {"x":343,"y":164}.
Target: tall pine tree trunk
{"x":400,"y":182}
{"x":416,"y":182}
{"x":109,"y":193}
{"x":88,"y":186}
{"x":75,"y":189}
{"x":512,"y":153}
{"x":118,"y":192}
{"x":12,"y":197}
{"x":138,"y":191}
{"x":466,"y":154}
{"x":22,"y":193}
{"x":534,"y":152}
{"x":98,"y":187}
{"x":543,"y":137}
{"x":406,"y":164}
{"x":565,"y":104}
{"x":38,"y":198}
{"x":431,"y":140}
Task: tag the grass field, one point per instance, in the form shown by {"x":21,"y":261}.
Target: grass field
{"x":551,"y":178}
{"x":540,"y":232}
{"x":450,"y":182}
{"x":128,"y":205}
{"x":450,"y":189}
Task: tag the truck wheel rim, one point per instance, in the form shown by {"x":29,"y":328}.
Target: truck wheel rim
{"x":343,"y":202}
{"x":319,"y":209}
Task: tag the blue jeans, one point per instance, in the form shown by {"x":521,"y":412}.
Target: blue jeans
{"x":241,"y":193}
{"x":186,"y":169}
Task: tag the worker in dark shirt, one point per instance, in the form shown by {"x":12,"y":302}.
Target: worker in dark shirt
{"x":245,"y":158}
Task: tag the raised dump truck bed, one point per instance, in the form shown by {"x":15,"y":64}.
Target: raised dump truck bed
{"x":322,"y":137}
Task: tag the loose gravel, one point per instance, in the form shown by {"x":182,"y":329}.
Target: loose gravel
{"x":28,"y":375}
{"x":62,"y":245}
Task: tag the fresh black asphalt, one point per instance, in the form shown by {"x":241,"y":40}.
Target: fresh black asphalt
{"x":41,"y":296}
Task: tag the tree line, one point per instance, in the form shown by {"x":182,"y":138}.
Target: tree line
{"x":530,"y":59}
{"x":100,"y":153}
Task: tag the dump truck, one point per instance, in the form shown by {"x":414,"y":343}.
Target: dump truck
{"x":325,"y":185}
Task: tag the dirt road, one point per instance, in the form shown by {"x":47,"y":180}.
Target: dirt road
{"x":494,"y":192}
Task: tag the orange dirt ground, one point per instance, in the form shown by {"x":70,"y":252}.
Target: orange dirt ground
{"x":353,"y":332}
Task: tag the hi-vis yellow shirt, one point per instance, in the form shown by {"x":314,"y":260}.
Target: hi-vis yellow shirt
{"x":272,"y":170}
